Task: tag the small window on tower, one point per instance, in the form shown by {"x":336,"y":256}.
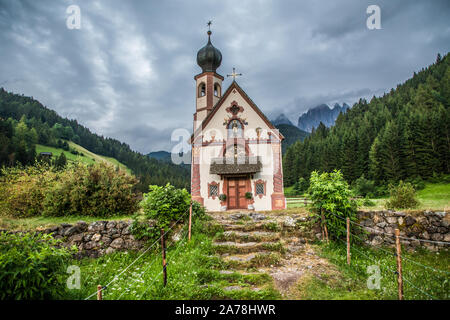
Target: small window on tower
{"x":217,"y":90}
{"x":201,"y":90}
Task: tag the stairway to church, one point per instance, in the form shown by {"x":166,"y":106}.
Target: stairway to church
{"x":260,"y":255}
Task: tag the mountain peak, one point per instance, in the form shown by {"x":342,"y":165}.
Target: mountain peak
{"x":281,"y":119}
{"x":320,"y":113}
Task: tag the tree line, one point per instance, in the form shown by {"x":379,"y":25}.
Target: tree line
{"x":402,"y":135}
{"x":24,"y":122}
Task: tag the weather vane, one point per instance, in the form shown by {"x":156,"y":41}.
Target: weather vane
{"x":234,"y":74}
{"x":209,"y":25}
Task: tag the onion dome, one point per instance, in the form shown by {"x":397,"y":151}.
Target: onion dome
{"x":208,"y":57}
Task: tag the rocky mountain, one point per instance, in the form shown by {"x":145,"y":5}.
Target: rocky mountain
{"x":321,"y":113}
{"x":281,"y":119}
{"x":291,"y":134}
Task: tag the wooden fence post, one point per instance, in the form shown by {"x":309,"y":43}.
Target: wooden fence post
{"x":348,"y":241}
{"x":324,"y":225}
{"x":163,"y":249}
{"x":99,"y":292}
{"x":399,"y":264}
{"x":190,"y":220}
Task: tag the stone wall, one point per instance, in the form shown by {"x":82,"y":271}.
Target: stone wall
{"x":96,"y":238}
{"x":427,"y":225}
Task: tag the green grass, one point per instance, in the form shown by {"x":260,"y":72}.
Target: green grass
{"x":88,"y":156}
{"x":350,"y":282}
{"x":435,"y":196}
{"x":189,"y":274}
{"x":33,"y":223}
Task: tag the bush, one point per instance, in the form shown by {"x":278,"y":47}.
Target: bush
{"x":363,"y":186}
{"x":301,"y":186}
{"x":23,"y":189}
{"x":330,"y":195}
{"x":91,"y":190}
{"x":165,"y":204}
{"x":78,"y":189}
{"x":31,"y":267}
{"x":402,"y":196}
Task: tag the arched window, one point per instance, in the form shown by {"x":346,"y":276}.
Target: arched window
{"x":217,"y":90}
{"x":235,"y":129}
{"x":201,"y":90}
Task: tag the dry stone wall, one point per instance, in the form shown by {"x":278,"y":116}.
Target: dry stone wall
{"x":424,"y":225}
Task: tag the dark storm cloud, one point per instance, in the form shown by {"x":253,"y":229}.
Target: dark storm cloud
{"x":128,"y":72}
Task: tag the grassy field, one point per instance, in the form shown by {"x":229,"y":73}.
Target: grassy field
{"x":351,"y":282}
{"x":88,"y":156}
{"x":40,"y":223}
{"x":191,"y":274}
{"x":435,"y":196}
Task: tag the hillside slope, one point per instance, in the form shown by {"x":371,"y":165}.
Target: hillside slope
{"x":40,"y":125}
{"x":84,"y":155}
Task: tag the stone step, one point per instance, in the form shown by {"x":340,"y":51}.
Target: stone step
{"x":251,"y":260}
{"x":234,"y":288}
{"x":249,"y":236}
{"x":247,"y":247}
{"x":268,"y":226}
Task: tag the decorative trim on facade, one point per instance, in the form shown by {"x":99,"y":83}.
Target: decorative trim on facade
{"x":234,"y":108}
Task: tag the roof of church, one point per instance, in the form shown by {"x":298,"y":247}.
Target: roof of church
{"x":234,"y":85}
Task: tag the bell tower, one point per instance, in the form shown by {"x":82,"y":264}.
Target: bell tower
{"x":208,"y":83}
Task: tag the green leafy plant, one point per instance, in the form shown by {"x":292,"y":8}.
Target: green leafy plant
{"x":363,"y":186}
{"x":330,"y":195}
{"x":248,"y":195}
{"x":32,"y":267}
{"x":402,"y":196}
{"x":301,"y":185}
{"x":223,"y":197}
{"x":165,"y":205}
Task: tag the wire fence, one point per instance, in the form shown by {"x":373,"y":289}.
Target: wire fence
{"x":366,"y":229}
{"x":116,"y":277}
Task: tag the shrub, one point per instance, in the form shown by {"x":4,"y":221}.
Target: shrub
{"x":165,"y":205}
{"x":330,"y":195}
{"x":248,"y":195}
{"x":222,"y":197}
{"x":78,"y":189}
{"x":363,"y":186}
{"x":31,"y":267}
{"x":23,"y":189}
{"x":301,"y":186}
{"x":91,"y":190}
{"x":402,"y":196}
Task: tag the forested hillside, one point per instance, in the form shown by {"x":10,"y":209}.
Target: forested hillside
{"x":25,"y":122}
{"x":401,"y":135}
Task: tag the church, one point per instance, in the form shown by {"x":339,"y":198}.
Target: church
{"x":236,"y":150}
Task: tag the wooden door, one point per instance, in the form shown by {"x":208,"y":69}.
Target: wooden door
{"x":237,"y":187}
{"x":242,"y":189}
{"x":232,"y":195}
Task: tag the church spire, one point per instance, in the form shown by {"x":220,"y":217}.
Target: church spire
{"x":209,"y":58}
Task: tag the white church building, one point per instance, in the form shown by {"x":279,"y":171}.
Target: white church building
{"x":236,"y":150}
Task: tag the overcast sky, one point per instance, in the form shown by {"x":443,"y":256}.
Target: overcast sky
{"x":128,"y":72}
